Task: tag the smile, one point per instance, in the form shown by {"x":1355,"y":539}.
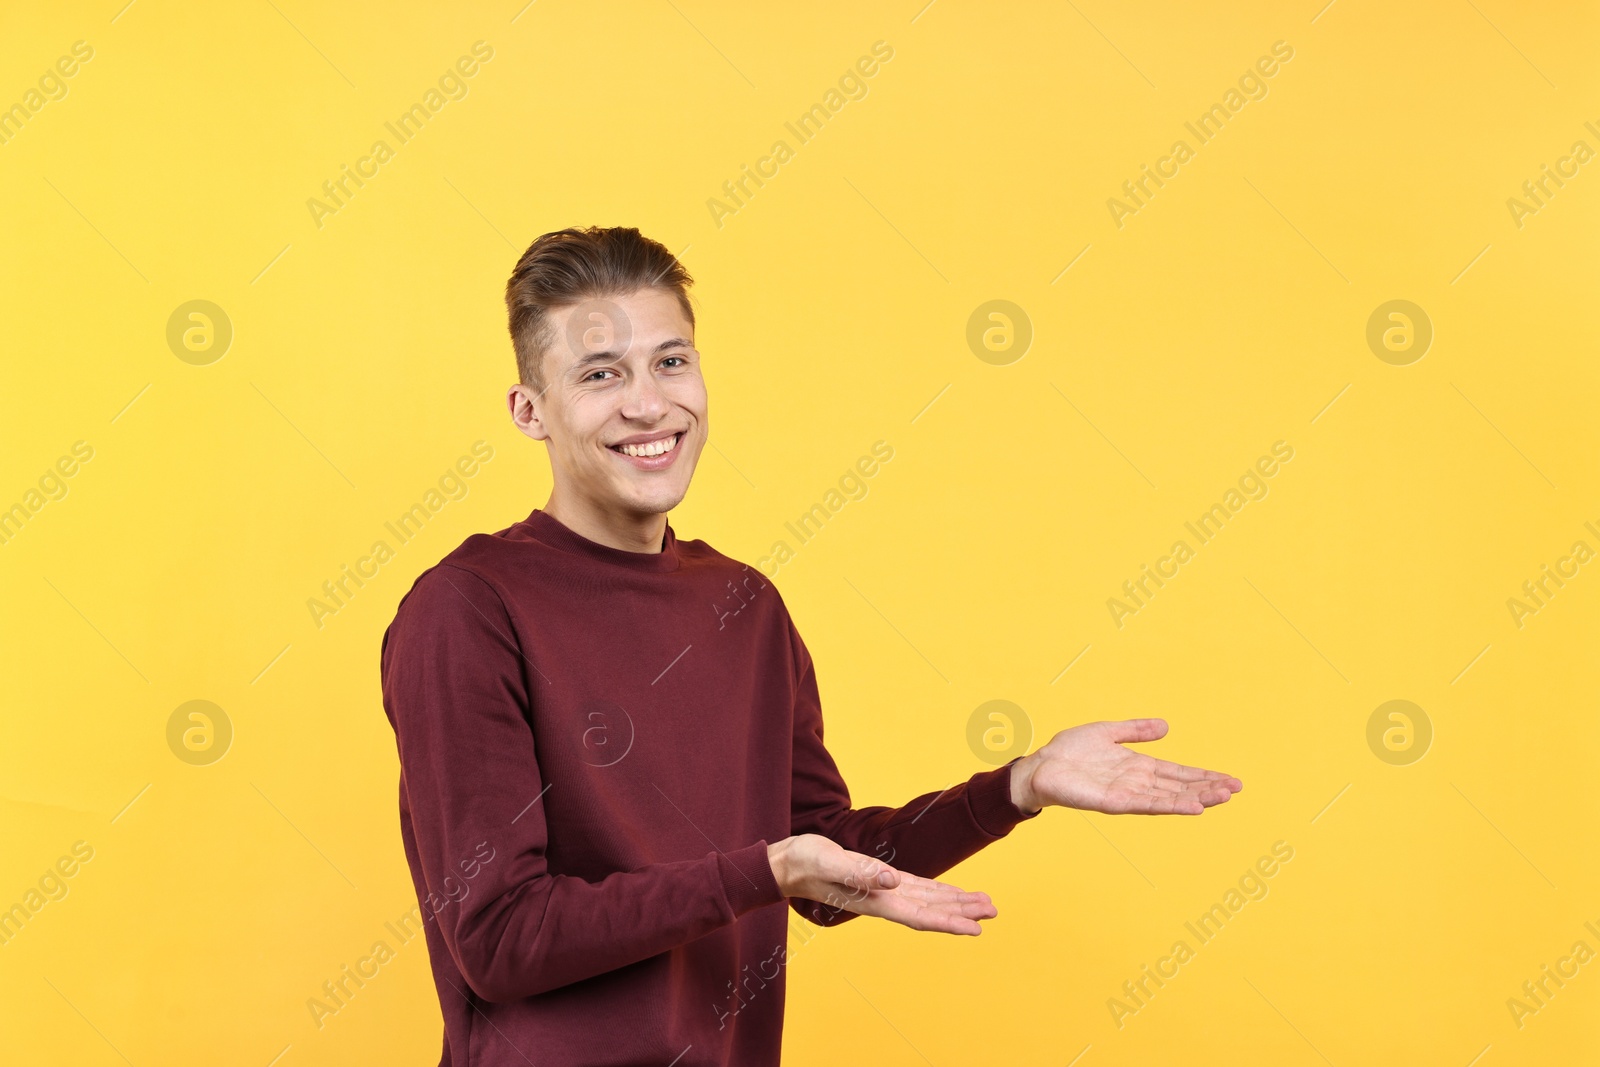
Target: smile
{"x":655,"y":455}
{"x":649,"y":449}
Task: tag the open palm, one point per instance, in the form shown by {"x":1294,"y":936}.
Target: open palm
{"x":818,"y":869}
{"x":1086,"y":767}
{"x":923,"y":904}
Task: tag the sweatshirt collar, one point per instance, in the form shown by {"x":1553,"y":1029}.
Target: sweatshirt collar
{"x":548,"y":529}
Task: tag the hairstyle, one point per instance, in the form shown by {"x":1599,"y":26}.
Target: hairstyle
{"x":568,"y":266}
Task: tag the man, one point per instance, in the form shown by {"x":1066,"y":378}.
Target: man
{"x":612,"y":768}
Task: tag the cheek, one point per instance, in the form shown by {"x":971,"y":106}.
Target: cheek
{"x":584,"y":422}
{"x":688,"y":391}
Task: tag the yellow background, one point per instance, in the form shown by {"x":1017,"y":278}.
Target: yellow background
{"x":1229,"y":313}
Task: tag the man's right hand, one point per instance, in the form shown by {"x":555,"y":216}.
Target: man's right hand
{"x":813,"y":867}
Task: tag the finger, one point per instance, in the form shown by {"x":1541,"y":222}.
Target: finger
{"x":946,"y":924}
{"x":1170,"y":804}
{"x":939,"y":892}
{"x":935,"y":919}
{"x":909,"y":879}
{"x":972,"y":905}
{"x":1185,"y":773}
{"x":901,"y":906}
{"x":976,"y":912}
{"x":928,"y":887}
{"x":943,"y":896}
{"x":1152,"y":802}
{"x":1137,"y":730}
{"x":931,"y":905}
{"x":1219,"y":786}
{"x":1206,"y":787}
{"x":1232,"y":783}
{"x":1213,"y":795}
{"x":1188,"y":801}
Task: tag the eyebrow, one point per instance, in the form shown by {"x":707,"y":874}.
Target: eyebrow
{"x":609,"y":356}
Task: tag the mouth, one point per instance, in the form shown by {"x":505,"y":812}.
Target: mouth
{"x":651,"y":455}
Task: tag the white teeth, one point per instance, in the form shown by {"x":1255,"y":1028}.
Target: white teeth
{"x":653,"y":448}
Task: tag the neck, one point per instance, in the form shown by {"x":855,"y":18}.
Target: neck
{"x":630,"y":531}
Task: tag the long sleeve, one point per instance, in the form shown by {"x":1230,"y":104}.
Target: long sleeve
{"x":925,"y":836}
{"x":456,"y":686}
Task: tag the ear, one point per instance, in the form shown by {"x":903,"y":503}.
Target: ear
{"x":523,"y":403}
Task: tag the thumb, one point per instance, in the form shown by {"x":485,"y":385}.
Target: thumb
{"x":869,"y":873}
{"x":1138,"y":730}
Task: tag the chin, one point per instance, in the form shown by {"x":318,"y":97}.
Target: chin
{"x":655,"y":501}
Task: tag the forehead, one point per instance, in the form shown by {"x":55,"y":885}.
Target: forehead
{"x":617,"y":327}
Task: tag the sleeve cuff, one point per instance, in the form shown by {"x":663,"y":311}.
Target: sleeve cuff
{"x":989,"y":795}
{"x":747,"y":878}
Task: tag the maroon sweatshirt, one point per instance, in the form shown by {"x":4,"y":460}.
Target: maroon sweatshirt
{"x":596,"y":747}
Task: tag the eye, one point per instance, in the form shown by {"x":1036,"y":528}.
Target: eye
{"x":680,"y":359}
{"x":602,"y":370}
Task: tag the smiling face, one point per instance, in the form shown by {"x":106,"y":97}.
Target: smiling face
{"x":624,"y":409}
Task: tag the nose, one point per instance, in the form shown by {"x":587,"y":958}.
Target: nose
{"x":643,"y":400}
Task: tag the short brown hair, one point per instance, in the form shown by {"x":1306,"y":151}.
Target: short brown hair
{"x":568,"y":266}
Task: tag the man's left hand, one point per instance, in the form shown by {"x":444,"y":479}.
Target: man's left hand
{"x":1086,"y":767}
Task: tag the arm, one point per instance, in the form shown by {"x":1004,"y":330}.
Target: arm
{"x":455,"y":688}
{"x":925,"y":836}
{"x":1084,"y":767}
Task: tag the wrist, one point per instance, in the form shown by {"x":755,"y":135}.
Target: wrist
{"x":780,"y":868}
{"x":1022,"y":795}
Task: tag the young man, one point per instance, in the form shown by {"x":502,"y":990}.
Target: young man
{"x":612,"y":769}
